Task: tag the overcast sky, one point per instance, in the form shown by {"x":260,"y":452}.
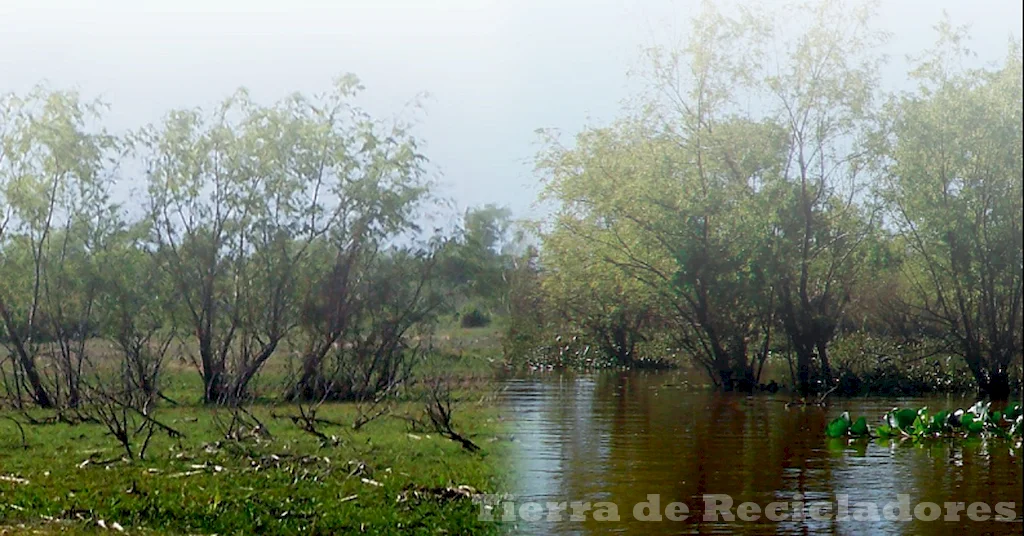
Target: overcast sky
{"x":496,"y":71}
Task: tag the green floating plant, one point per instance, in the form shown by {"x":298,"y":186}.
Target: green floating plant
{"x":919,"y":424}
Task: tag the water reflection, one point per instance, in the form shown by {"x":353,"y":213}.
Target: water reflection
{"x":621,"y":436}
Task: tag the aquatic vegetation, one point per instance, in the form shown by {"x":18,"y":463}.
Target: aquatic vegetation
{"x":920,"y":424}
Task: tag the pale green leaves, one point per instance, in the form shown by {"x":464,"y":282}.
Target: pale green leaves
{"x":956,"y":171}
{"x":54,"y":161}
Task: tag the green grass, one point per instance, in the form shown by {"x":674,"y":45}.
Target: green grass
{"x":286,"y":484}
{"x":467,"y":352}
{"x":382,"y":479}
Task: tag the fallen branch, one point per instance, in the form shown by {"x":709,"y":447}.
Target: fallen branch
{"x":439,"y":410}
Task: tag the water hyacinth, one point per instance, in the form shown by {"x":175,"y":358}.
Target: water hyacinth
{"x":919,"y":424}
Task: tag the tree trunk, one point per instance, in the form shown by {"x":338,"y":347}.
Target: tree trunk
{"x":826,"y":366}
{"x":214,"y":385}
{"x":241,"y":383}
{"x":39,"y":393}
{"x":804,"y":361}
{"x":214,"y":389}
{"x":992,"y":376}
{"x":623,"y":348}
{"x":723,"y":368}
{"x":28,"y":365}
{"x":311,"y":384}
{"x":997,"y":385}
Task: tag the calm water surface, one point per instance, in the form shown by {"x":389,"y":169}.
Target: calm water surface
{"x":619,"y":437}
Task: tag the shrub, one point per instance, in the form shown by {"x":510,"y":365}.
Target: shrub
{"x":473,"y":317}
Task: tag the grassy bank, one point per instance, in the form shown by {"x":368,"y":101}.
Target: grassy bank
{"x":382,"y":479}
{"x":265,"y":474}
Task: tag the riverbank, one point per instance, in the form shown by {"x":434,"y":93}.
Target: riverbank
{"x":382,"y":479}
{"x":267,"y":469}
{"x":861,"y":365}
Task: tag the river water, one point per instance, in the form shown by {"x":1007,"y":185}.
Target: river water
{"x":620,"y":437}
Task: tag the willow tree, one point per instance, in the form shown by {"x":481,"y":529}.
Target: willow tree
{"x":592,"y":296}
{"x":357,"y":299}
{"x":955,"y":180}
{"x":819,"y":88}
{"x":678,"y":191}
{"x":648,"y":200}
{"x":237,"y":197}
{"x":55,"y":173}
{"x":786,"y":111}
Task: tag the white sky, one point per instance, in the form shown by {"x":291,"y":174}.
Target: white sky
{"x":496,"y":71}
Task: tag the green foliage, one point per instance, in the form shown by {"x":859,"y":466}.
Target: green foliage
{"x":859,"y":428}
{"x":253,"y":217}
{"x":891,"y":365}
{"x":365,"y":320}
{"x":920,"y":425}
{"x":476,"y":262}
{"x":242,"y":196}
{"x":472,"y":316}
{"x":55,"y":213}
{"x":840,"y":426}
{"x":724,"y":222}
{"x":954,"y":163}
{"x":824,"y":209}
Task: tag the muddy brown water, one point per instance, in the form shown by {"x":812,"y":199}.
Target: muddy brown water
{"x":620,"y":437}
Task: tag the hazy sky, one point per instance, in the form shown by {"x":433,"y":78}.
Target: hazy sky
{"x":496,"y":71}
